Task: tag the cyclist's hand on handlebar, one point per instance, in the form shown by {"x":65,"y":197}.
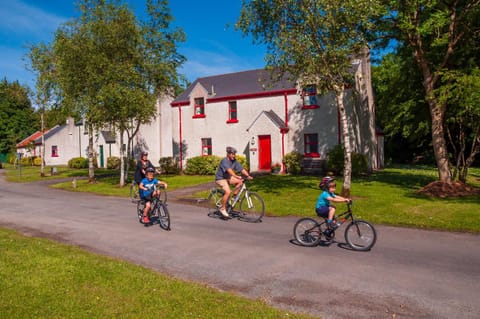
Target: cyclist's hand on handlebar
{"x":249,"y":177}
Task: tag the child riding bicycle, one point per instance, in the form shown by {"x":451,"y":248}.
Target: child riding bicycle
{"x":323,"y":208}
{"x":148,"y":191}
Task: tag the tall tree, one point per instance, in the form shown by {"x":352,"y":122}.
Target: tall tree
{"x":434,"y":31}
{"x":17,"y":117}
{"x":111,"y":68}
{"x":314,"y":41}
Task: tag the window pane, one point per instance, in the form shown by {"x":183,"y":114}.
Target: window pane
{"x":232,"y":109}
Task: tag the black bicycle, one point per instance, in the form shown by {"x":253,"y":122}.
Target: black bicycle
{"x":359,"y":234}
{"x":158,"y":211}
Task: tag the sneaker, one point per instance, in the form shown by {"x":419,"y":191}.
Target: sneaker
{"x":224,"y":213}
{"x":145,"y":220}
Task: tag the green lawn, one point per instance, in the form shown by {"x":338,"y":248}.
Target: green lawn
{"x":43,"y":279}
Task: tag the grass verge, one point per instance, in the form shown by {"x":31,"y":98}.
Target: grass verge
{"x":43,"y":279}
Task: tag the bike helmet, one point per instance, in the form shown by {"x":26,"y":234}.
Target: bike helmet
{"x":150,"y":170}
{"x":144,"y":153}
{"x":325,"y":181}
{"x":231,"y":150}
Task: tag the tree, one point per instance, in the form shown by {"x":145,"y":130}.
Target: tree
{"x":434,"y":31}
{"x":111,"y":68}
{"x":314,"y":41}
{"x":17,"y":116}
{"x":462,"y":93}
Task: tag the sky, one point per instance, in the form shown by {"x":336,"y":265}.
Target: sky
{"x":212,"y":47}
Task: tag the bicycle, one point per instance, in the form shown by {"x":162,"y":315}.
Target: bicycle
{"x":135,"y":193}
{"x":359,"y":234}
{"x":158,"y":211}
{"x":252,"y":207}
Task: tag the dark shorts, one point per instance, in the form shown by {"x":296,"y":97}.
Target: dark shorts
{"x":147,"y":198}
{"x":322,"y":211}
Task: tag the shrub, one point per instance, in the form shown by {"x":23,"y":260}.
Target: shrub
{"x":359,"y":164}
{"x":335,"y":160}
{"x":293,"y":162}
{"x":336,"y":164}
{"x":113,"y":162}
{"x":168,"y":165}
{"x":202,"y":165}
{"x":37,"y":161}
{"x":78,"y":162}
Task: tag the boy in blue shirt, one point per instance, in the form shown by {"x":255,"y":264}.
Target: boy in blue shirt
{"x":323,"y":207}
{"x":148,"y":191}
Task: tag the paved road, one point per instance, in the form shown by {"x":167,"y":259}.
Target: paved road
{"x":408,"y":274}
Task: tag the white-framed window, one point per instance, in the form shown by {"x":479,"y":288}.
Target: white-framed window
{"x":232,"y":112}
{"x":199,"y":107}
{"x":309,"y":95}
{"x":206,"y":146}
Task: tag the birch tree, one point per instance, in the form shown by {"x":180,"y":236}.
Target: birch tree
{"x":314,"y":41}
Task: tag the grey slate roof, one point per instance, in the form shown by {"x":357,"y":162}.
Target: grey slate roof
{"x":50,"y":133}
{"x":237,"y":84}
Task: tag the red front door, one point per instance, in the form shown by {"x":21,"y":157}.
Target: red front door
{"x":264,"y":152}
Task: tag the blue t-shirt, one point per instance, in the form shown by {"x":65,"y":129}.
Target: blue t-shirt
{"x":322,"y":199}
{"x":150,"y":185}
{"x":225,"y":164}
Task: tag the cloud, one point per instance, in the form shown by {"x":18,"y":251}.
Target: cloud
{"x":18,"y":18}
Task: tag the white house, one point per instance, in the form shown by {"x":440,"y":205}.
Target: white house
{"x":266,"y":120}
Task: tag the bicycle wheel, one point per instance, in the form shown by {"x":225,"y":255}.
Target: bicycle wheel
{"x":163,"y":195}
{"x":307,"y":232}
{"x":214,"y":201}
{"x":163,"y":216}
{"x":140,"y":207}
{"x":360,"y":235}
{"x":252,"y":207}
{"x":134,"y":192}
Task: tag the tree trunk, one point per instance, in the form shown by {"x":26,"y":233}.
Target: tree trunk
{"x":437,"y":112}
{"x":42,"y":150}
{"x":347,"y":172}
{"x":122,"y":160}
{"x":91,"y":168}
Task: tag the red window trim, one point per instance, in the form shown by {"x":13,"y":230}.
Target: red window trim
{"x":232,"y":121}
{"x":310,"y":155}
{"x":199,"y":116}
{"x":310,"y":107}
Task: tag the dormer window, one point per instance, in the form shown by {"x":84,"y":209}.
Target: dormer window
{"x":309,"y":96}
{"x":199,"y":107}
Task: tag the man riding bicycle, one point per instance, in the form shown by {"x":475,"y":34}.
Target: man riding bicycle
{"x":226,"y":176}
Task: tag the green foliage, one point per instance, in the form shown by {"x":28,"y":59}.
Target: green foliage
{"x":78,"y":162}
{"x":37,"y":161}
{"x":202,"y":165}
{"x":168,"y":165}
{"x":293,"y":162}
{"x":113,"y":162}
{"x":17,"y":117}
{"x":335,"y":162}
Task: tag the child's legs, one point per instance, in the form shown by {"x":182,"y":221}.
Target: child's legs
{"x":147,"y":208}
{"x":331,"y":212}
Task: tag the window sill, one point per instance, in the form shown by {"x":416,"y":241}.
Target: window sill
{"x":199,"y":116}
{"x":311,"y":155}
{"x":310,"y":107}
{"x":232,"y":121}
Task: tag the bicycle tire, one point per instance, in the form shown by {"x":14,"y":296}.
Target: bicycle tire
{"x":163,"y":216}
{"x":252,"y":207}
{"x":307,"y":232}
{"x":214,"y":201}
{"x":140,"y":207}
{"x":134,"y":192}
{"x":360,"y":235}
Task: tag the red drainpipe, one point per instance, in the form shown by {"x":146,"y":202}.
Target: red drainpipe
{"x":181,"y":137}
